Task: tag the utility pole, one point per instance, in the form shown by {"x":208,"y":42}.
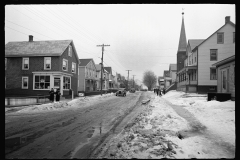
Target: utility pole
{"x":102,"y":63}
{"x":133,"y":82}
{"x":128,"y":78}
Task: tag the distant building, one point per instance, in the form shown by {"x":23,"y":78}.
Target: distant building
{"x":172,"y":72}
{"x":167,"y":79}
{"x":34,"y":67}
{"x":87,"y":76}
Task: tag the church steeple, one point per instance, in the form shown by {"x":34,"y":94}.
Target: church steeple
{"x":182,"y":40}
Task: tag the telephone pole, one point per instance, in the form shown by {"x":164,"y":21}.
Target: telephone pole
{"x":102,"y":63}
{"x":133,"y":82}
{"x":128,"y":78}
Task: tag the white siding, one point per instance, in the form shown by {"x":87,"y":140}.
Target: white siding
{"x":224,"y":51}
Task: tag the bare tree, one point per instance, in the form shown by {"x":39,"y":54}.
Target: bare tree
{"x":149,"y":79}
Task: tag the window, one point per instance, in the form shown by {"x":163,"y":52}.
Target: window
{"x":70,"y":50}
{"x":213,"y":54}
{"x":25,"y":64}
{"x":233,"y":37}
{"x":5,"y":63}
{"x":24,"y":82}
{"x":47,"y":63}
{"x":65,"y":65}
{"x":73,"y":67}
{"x":213,"y":74}
{"x":212,"y":88}
{"x":42,"y":82}
{"x":220,"y":38}
{"x":66,"y":83}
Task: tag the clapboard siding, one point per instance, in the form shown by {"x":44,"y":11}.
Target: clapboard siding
{"x":81,"y":79}
{"x":224,"y":50}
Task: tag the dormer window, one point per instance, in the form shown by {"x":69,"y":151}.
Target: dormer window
{"x":220,"y":38}
{"x":70,"y":50}
{"x":25,"y":64}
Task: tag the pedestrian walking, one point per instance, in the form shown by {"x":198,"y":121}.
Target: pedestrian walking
{"x":157,"y":90}
{"x":160,"y":92}
{"x":164,"y":90}
{"x":51,"y":93}
{"x":58,"y":95}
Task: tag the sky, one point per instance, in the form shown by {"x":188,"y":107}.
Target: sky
{"x":141,"y":36}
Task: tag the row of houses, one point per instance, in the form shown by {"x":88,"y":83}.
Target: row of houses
{"x":204,"y":65}
{"x":34,"y":67}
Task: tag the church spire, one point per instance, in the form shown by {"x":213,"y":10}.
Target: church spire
{"x":182,"y":40}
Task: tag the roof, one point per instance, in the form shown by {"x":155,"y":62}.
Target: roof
{"x":98,"y":67}
{"x":229,"y":22}
{"x":109,"y":69}
{"x":166,"y":74}
{"x":194,"y":42}
{"x":182,"y":45}
{"x":173,"y":67}
{"x":84,"y":62}
{"x":36,"y":48}
{"x":224,"y":61}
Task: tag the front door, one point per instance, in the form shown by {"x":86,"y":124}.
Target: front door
{"x":224,"y":81}
{"x":57,"y":83}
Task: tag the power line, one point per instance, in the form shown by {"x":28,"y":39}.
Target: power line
{"x":19,"y":31}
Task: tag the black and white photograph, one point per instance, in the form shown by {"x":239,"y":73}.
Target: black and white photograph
{"x":120,"y":81}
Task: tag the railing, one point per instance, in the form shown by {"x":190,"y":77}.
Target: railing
{"x":20,"y":101}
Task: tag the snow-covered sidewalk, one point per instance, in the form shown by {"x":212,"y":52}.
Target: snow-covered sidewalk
{"x":160,"y":132}
{"x":58,"y":106}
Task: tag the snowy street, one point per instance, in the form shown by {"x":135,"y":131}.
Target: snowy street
{"x":67,"y":129}
{"x":178,"y":125}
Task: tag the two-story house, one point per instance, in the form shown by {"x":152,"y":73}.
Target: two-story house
{"x":199,"y":74}
{"x":87,"y":76}
{"x":34,"y":67}
{"x":218,"y":46}
{"x":110,"y":77}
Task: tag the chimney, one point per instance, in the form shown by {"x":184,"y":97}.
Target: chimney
{"x":30,"y":38}
{"x":227,"y":19}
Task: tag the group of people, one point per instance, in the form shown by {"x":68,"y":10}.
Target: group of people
{"x":159,"y":92}
{"x":57,"y":93}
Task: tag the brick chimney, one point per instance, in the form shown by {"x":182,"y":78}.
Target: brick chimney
{"x":227,"y":19}
{"x":30,"y":38}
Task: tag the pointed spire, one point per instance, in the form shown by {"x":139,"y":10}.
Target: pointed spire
{"x":182,"y":40}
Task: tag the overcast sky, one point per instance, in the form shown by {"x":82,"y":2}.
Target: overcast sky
{"x":141,"y":36}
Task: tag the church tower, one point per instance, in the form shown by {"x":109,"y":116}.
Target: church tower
{"x":182,"y":47}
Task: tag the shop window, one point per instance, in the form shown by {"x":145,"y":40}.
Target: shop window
{"x":42,"y":82}
{"x":66,"y":83}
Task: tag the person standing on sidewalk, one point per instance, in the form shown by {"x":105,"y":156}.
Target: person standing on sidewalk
{"x":51,"y":93}
{"x":58,"y":95}
{"x":164,"y":90}
{"x":160,"y":94}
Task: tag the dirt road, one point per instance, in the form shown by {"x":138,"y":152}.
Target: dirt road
{"x":72,"y":132}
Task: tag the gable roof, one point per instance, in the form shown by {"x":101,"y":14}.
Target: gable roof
{"x":109,"y":69}
{"x":224,"y":61}
{"x":37,"y":48}
{"x":229,"y":22}
{"x":84,"y":62}
{"x":166,"y":74}
{"x":194,"y":43}
{"x":173,"y":67}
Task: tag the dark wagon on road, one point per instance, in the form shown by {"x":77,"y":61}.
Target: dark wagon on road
{"x":121,"y":93}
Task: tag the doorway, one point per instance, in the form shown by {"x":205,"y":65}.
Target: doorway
{"x":224,"y":78}
{"x":57,"y":83}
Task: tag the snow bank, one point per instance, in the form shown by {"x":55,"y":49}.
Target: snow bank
{"x":218,"y":117}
